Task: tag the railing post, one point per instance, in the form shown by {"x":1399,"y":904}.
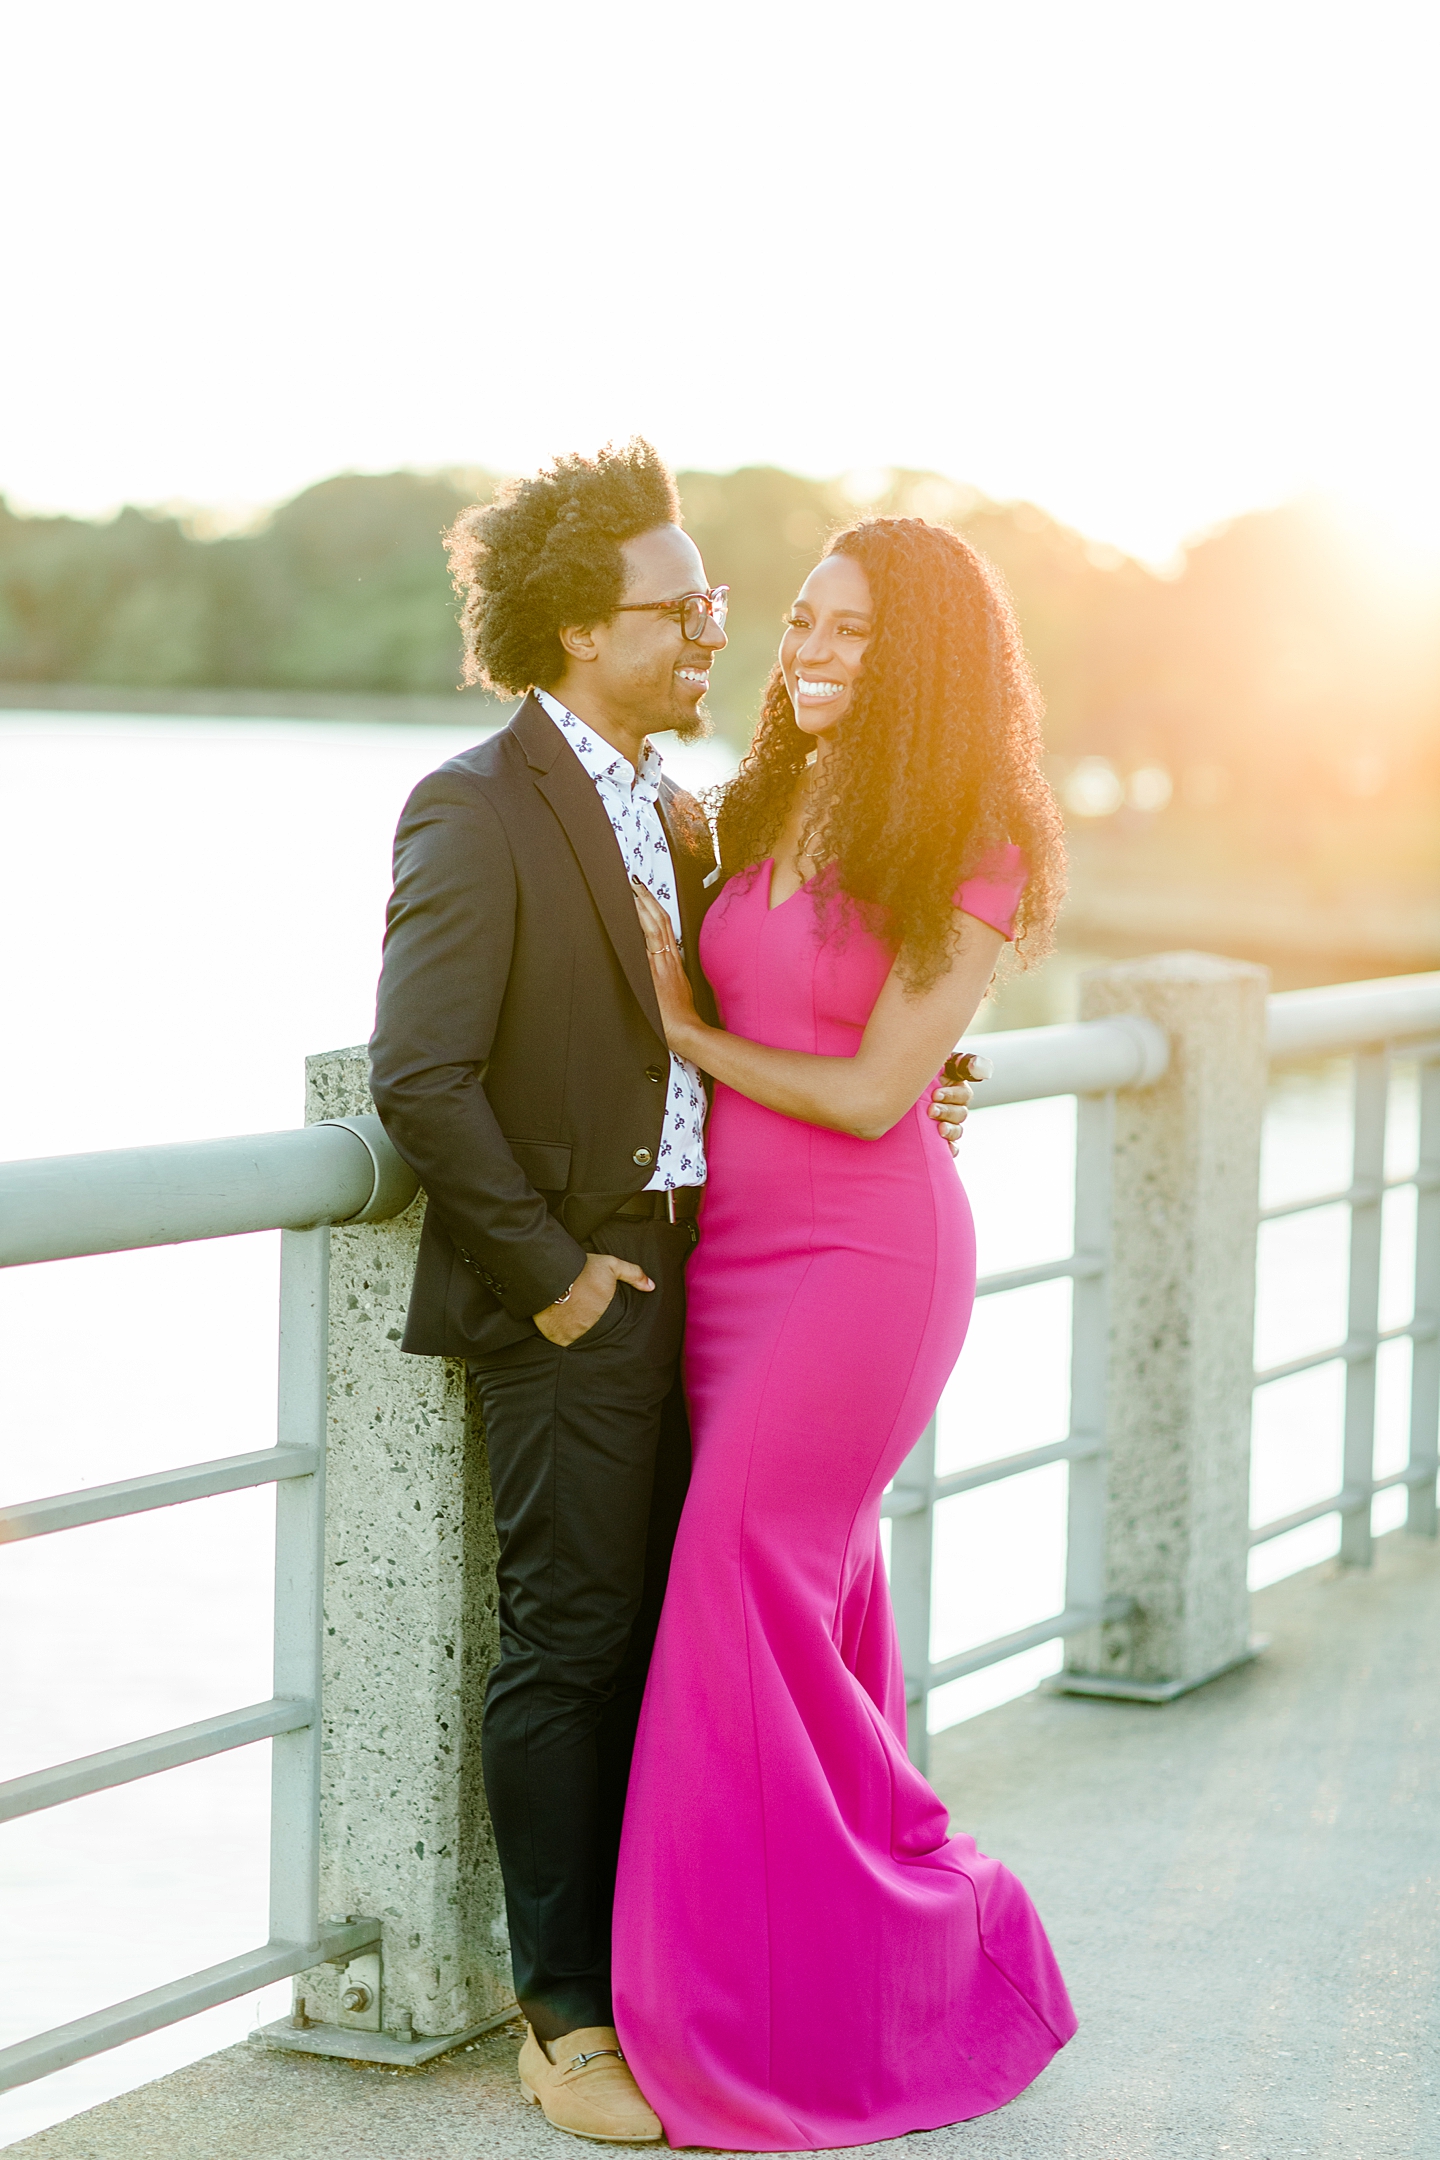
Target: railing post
{"x":1420,"y":1515}
{"x":1181,"y":1299}
{"x":1372,"y":1088}
{"x":912,"y":1554}
{"x":410,"y":1632}
{"x":299,"y":1565}
{"x":1089,"y":1349}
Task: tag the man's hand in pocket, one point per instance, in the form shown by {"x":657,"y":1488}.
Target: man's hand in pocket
{"x":588,"y":1297}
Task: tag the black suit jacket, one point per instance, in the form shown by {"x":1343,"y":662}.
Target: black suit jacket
{"x":518,"y":1062}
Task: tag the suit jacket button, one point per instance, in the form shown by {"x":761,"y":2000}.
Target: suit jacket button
{"x":654,"y":1072}
{"x":643,"y":1156}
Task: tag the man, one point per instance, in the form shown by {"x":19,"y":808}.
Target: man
{"x":519,"y":1066}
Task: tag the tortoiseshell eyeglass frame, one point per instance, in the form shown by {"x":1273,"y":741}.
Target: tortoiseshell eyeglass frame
{"x":694,"y":611}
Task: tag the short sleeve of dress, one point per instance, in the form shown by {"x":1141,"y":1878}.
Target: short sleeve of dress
{"x":992,"y":893}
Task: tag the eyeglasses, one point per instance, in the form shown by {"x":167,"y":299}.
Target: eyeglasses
{"x":694,"y":611}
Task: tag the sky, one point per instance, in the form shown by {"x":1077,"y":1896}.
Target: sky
{"x":1146,"y":265}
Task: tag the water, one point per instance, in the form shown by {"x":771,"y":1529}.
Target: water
{"x":195,"y":906}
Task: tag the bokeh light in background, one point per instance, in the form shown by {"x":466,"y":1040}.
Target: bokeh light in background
{"x":1148,"y":266}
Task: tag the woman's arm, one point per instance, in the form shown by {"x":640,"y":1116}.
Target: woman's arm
{"x":906,"y":1040}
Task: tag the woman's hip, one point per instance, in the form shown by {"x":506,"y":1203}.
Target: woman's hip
{"x":834,"y":1362}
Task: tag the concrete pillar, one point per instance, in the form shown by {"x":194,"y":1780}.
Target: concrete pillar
{"x":410,"y":1635}
{"x":1181,"y":1329}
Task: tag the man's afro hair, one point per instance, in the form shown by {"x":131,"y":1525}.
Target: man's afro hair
{"x":545,"y":554}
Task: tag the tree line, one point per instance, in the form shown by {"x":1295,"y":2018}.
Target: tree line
{"x":1275,"y":700}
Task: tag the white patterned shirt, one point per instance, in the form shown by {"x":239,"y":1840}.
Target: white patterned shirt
{"x":630,"y":802}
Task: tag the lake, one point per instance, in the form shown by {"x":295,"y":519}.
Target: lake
{"x":195,"y":905}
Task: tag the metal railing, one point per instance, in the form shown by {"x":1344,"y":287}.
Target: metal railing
{"x":1086,"y":1059}
{"x":1089,"y":1059}
{"x":297,"y":1183}
{"x":345,"y":1171}
{"x":1371,"y":1020}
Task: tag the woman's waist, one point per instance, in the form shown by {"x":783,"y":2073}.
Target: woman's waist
{"x":762,"y":1154}
{"x":733,"y":1113}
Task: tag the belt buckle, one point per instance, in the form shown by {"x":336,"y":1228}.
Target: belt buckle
{"x":670,"y":1202}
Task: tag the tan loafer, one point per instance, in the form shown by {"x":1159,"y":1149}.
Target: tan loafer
{"x":590,"y":2091}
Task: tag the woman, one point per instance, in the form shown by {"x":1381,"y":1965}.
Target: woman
{"x":804,"y":1957}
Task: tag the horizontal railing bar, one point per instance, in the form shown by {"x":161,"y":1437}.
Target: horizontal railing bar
{"x":1079,"y":1266}
{"x":1348,"y":1501}
{"x":61,"y":1207}
{"x":1348,"y":1351}
{"x":1075,"y":1447}
{"x":1412,"y":1474}
{"x":143,"y":1758}
{"x":1358,"y":1195}
{"x":35,"y":2058}
{"x":162,"y":1488}
{"x":1072,"y":1621}
{"x":1419,"y":1329}
{"x":1349,"y":1016}
{"x":1082,"y":1057}
{"x":909,"y":1500}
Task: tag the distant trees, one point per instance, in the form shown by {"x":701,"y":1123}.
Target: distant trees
{"x":1274,"y":705}
{"x":342,"y":589}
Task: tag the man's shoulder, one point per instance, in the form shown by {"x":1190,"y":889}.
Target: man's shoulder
{"x":485,"y":762}
{"x":492,"y":768}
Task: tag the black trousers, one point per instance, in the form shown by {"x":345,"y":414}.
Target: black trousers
{"x":589,"y":1461}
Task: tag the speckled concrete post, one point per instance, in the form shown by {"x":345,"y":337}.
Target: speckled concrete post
{"x":410,"y":1635}
{"x":1182,"y":1303}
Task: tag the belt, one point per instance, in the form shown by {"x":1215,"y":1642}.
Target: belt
{"x":681,"y":1203}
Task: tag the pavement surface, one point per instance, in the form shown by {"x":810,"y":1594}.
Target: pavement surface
{"x":1243,"y":1889}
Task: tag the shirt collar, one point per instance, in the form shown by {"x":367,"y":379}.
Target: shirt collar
{"x":601,"y":760}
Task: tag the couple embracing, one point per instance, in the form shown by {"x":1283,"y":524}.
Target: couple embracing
{"x":694,"y":1226}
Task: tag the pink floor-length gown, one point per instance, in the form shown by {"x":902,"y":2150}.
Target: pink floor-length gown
{"x":804,"y":1956}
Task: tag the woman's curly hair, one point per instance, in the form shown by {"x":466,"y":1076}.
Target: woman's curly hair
{"x":936,"y":763}
{"x":545,"y":554}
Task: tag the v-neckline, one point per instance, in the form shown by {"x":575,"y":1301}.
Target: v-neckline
{"x":773,"y":906}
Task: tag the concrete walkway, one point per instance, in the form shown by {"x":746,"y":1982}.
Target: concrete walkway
{"x":1243,"y":1889}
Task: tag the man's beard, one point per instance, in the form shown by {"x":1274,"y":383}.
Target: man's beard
{"x":696,"y":728}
